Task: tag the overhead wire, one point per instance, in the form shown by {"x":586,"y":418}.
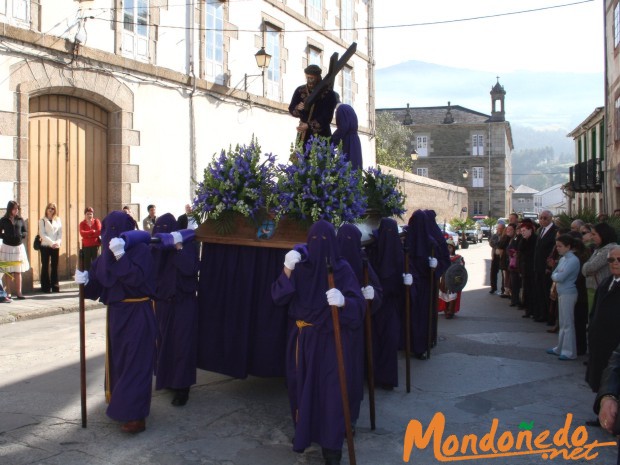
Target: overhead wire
{"x":319,"y":29}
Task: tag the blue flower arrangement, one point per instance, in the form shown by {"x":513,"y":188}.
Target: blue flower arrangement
{"x":319,"y":184}
{"x":236,"y":182}
{"x":384,"y":195}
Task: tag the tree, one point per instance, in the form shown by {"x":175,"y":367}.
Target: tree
{"x":392,"y":142}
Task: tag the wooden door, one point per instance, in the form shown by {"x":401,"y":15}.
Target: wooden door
{"x":67,"y":166}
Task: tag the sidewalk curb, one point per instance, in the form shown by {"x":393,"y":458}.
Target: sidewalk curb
{"x":13,"y":317}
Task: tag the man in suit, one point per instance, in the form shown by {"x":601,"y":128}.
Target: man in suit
{"x":186,"y":221}
{"x":604,"y":328}
{"x":542,"y":276}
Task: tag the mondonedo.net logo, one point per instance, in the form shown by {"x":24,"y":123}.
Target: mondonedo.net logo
{"x":565,"y":443}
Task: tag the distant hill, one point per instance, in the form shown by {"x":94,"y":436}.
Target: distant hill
{"x":542,"y":108}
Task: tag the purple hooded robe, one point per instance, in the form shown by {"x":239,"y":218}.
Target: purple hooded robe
{"x":350,"y":243}
{"x":311,"y":364}
{"x":131,"y":326}
{"x":420,"y":245}
{"x":176,"y":309}
{"x":388,"y":259}
{"x":346,"y":122}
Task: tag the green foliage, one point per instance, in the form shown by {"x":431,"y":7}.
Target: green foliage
{"x":392,"y":142}
{"x":587,"y":215}
{"x":490,"y":221}
{"x":460,"y":224}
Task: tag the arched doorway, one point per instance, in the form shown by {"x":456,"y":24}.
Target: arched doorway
{"x":67,"y":152}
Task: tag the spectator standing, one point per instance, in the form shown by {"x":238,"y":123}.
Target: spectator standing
{"x":606,"y":403}
{"x":128,"y":210}
{"x":148,"y":223}
{"x":13,"y":231}
{"x":50,"y":230}
{"x":504,"y":260}
{"x":525,"y":261}
{"x":542,"y":275}
{"x":186,"y":220}
{"x":595,"y":269}
{"x":90,"y":230}
{"x":604,"y":328}
{"x":495,"y":256}
{"x":564,"y":276}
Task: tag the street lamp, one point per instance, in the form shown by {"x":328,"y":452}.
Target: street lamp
{"x":262,"y":61}
{"x":465,"y":174}
{"x":414,"y":155}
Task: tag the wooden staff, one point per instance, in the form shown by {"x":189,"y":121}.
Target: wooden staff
{"x":341,"y":373}
{"x":369,"y":361}
{"x":82,"y":341}
{"x":407,"y":326}
{"x":430,"y":310}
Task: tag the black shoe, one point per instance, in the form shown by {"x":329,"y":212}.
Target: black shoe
{"x":181,"y":397}
{"x":492,"y":291}
{"x":332,"y":456}
{"x":421,"y":356}
{"x":595,"y":423}
{"x":55,"y":289}
{"x":46,"y":291}
{"x":525,"y":316}
{"x":540,"y":320}
{"x":512,"y":305}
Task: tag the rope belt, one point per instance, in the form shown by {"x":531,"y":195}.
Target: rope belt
{"x":135,"y":299}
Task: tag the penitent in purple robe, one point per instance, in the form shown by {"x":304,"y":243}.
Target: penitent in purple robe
{"x":176,"y":309}
{"x":388,"y":260}
{"x":419,"y":245}
{"x":346,"y":132}
{"x":311,"y":364}
{"x":131,"y":325}
{"x":350,"y":244}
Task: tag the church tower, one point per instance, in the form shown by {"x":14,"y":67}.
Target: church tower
{"x":497,"y":96}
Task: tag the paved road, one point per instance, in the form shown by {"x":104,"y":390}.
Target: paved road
{"x":489,"y":363}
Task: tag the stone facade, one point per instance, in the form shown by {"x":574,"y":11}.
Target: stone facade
{"x":611,"y":164}
{"x":446,"y":199}
{"x":465,"y":148}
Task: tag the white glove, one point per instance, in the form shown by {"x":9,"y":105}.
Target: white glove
{"x":335,"y":297}
{"x":177,"y":237}
{"x":81,"y":277}
{"x":368,"y":292}
{"x":117,"y":246}
{"x":432,"y":262}
{"x":407,"y":279}
{"x":291,"y":258}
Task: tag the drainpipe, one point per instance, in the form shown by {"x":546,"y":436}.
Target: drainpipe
{"x":192,"y":116}
{"x":607,"y":105}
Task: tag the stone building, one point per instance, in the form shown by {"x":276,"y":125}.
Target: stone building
{"x":585,"y":186}
{"x":109,"y":102}
{"x":611,"y":164}
{"x":465,"y":148}
{"x":523,"y":199}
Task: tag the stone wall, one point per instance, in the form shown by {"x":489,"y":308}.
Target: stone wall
{"x":446,"y":199}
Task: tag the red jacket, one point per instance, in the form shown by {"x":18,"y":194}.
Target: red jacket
{"x":90,"y":234}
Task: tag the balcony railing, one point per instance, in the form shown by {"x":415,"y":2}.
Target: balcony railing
{"x":586,"y":176}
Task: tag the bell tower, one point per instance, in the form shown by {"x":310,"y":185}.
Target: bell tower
{"x":497,"y":96}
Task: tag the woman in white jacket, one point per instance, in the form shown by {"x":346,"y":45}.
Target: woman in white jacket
{"x":50,"y":230}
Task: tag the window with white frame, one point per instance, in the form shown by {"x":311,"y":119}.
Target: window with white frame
{"x":15,"y":12}
{"x":136,"y":29}
{"x":314,"y":56}
{"x":478,"y":207}
{"x":346,"y":20}
{"x":421,"y":145}
{"x":272,"y":45}
{"x":314,"y":10}
{"x":616,"y":25}
{"x":214,"y":42}
{"x":422,"y":172}
{"x":478,"y":176}
{"x":347,"y":85}
{"x":477,"y":145}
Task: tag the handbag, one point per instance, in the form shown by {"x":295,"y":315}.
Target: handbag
{"x":512,"y":264}
{"x":37,"y":242}
{"x":553,"y":294}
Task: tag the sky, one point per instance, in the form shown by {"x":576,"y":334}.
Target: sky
{"x":568,"y":38}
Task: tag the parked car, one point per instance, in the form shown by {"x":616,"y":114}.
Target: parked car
{"x":449,"y":233}
{"x":474,"y":235}
{"x":486,"y":230}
